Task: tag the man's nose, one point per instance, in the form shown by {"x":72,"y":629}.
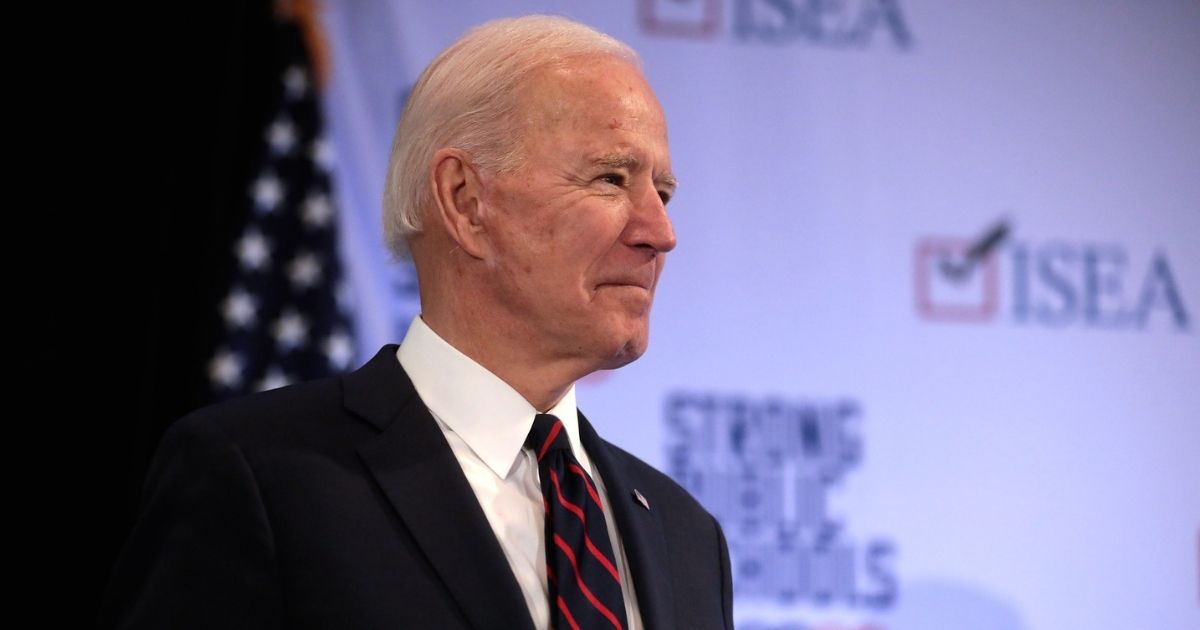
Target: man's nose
{"x":650,"y":226}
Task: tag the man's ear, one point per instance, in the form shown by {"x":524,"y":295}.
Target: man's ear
{"x":458,"y":197}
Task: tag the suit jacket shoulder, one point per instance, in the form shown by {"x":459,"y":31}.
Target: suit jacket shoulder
{"x":329,"y":504}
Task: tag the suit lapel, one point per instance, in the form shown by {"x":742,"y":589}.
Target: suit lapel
{"x":424,"y":482}
{"x":641,"y":531}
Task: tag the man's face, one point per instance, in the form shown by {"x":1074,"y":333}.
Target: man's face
{"x":579,"y":229}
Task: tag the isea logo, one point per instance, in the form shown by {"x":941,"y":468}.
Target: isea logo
{"x":1046,"y":282}
{"x":838,"y":24}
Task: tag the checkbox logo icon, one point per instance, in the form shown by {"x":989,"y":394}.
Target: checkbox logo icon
{"x":955,"y":280}
{"x":697,"y":19}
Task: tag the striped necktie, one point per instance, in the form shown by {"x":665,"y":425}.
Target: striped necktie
{"x":585,"y":588}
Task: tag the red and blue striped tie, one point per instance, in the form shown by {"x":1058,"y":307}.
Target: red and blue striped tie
{"x":585,"y":588}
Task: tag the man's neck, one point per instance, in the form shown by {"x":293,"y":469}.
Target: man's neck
{"x":542,"y":383}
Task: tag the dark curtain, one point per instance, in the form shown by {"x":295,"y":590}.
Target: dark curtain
{"x":174,"y":102}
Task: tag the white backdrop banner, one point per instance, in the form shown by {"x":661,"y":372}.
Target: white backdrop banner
{"x":928,"y":346}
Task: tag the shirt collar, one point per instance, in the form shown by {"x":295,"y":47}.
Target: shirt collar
{"x":487,"y":413}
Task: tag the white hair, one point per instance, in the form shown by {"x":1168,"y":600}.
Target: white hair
{"x":466,"y":99}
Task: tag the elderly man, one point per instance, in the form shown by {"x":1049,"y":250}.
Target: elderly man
{"x":451,"y":482}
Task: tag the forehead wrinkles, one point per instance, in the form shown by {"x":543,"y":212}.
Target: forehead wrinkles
{"x":586,"y":93}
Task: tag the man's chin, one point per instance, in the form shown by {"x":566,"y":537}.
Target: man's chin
{"x":627,"y":352}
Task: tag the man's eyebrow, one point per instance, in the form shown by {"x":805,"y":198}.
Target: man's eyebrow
{"x":667,"y":180}
{"x":616,"y":160}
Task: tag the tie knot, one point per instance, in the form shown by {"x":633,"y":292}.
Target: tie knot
{"x":547,"y":435}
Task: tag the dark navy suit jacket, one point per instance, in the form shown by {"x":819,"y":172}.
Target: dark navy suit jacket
{"x":339,"y":504}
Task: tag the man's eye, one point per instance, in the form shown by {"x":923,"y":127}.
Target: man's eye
{"x":616,"y":179}
{"x":665,"y":196}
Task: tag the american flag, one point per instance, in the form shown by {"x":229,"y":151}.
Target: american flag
{"x":284,"y":317}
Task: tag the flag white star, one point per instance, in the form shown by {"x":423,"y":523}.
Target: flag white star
{"x":267,"y":192}
{"x":254,"y":250}
{"x":239,"y":308}
{"x":321,"y":152}
{"x":295,"y":81}
{"x":225,"y":369}
{"x":290,"y":330}
{"x":273,"y":379}
{"x":317,"y":211}
{"x":304,"y":271}
{"x":339,"y":349}
{"x":281,"y":135}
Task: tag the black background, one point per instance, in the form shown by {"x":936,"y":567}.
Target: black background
{"x":141,"y":129}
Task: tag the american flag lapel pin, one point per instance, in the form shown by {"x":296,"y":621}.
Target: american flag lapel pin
{"x":641,"y":499}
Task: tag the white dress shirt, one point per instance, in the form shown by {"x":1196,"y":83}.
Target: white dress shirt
{"x":485,"y":422}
